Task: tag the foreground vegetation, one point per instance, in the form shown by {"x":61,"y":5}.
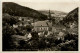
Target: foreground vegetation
{"x":42,"y":43}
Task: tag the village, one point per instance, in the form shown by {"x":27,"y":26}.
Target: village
{"x":41,"y":27}
{"x":43,"y":32}
{"x":28,"y":29}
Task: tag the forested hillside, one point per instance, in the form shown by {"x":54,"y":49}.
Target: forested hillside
{"x":17,"y":10}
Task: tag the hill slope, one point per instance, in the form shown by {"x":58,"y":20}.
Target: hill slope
{"x":71,"y":21}
{"x":53,"y":13}
{"x":57,"y":15}
{"x":17,"y":10}
{"x":71,"y":17}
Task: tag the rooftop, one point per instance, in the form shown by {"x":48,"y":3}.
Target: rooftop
{"x":42,"y":23}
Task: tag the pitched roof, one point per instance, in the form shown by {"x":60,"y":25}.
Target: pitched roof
{"x":42,"y":23}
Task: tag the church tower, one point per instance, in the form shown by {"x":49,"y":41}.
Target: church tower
{"x":49,"y":16}
{"x":50,"y":21}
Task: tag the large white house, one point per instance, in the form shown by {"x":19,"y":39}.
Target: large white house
{"x":43,"y":25}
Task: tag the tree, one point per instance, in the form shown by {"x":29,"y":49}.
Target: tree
{"x":9,"y":19}
{"x":7,"y":40}
{"x":8,"y":31}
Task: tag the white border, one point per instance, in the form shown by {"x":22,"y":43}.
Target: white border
{"x":78,"y":1}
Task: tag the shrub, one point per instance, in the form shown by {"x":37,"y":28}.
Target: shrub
{"x":8,"y":31}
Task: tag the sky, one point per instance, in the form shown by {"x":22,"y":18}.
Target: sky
{"x":59,"y":5}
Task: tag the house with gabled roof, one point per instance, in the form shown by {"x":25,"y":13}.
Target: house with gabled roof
{"x":43,"y":25}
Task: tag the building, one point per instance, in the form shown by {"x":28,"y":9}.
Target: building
{"x":23,"y":21}
{"x":43,"y":25}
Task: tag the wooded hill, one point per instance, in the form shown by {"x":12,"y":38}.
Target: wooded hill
{"x":18,"y":10}
{"x":71,"y":17}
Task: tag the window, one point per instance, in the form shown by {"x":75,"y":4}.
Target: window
{"x":41,"y":28}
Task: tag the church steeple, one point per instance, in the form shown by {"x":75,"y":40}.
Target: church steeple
{"x":49,"y":15}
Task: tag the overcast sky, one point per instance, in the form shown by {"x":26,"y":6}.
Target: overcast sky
{"x":60,"y":6}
